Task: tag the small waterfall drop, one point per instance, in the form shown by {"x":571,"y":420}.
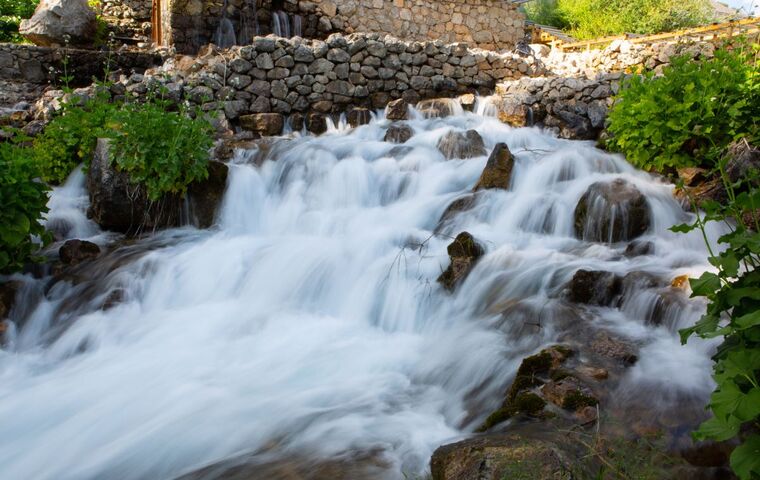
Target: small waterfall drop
{"x":281,"y":24}
{"x":308,"y":322}
{"x":297,"y":26}
{"x":249,"y":23}
{"x":225,"y":37}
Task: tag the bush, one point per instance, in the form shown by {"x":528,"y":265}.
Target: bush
{"x":24,"y":201}
{"x":164,"y":151}
{"x":687,"y":116}
{"x":11,"y":14}
{"x":586,"y":19}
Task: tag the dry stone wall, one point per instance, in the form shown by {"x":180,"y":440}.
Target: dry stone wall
{"x":128,"y":18}
{"x":285,"y":76}
{"x":489,"y":24}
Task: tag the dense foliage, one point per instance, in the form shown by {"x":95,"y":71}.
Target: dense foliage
{"x":164,"y":151}
{"x":687,"y":116}
{"x":11,"y":14}
{"x":733,"y":313}
{"x":586,"y":19}
{"x":696,"y":114}
{"x":23,"y":199}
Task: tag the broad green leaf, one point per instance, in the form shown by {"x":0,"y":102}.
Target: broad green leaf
{"x":745,"y":459}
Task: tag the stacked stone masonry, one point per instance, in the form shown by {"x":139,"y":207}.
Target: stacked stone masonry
{"x":128,"y":18}
{"x":287,"y":76}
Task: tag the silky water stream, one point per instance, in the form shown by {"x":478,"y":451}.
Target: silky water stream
{"x":308,"y":322}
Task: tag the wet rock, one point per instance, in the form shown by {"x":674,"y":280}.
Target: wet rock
{"x":357,"y":117}
{"x":58,"y":22}
{"x":8,"y":291}
{"x":639,"y":248}
{"x":398,"y":133}
{"x":692,"y":176}
{"x":462,"y":145}
{"x":613,"y":348}
{"x":397,"y":110}
{"x":459,"y":205}
{"x":468,"y":102}
{"x":206,"y":196}
{"x":436,"y":108}
{"x":464,"y":252}
{"x":316,"y":123}
{"x":498,"y":171}
{"x":612,"y":212}
{"x":74,"y":252}
{"x":117,"y":204}
{"x":569,"y":394}
{"x":710,"y":190}
{"x":263,"y":123}
{"x":591,"y":287}
{"x":499,"y":457}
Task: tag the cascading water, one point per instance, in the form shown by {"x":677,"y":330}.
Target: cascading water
{"x":309,"y":324}
{"x":281,"y":24}
{"x":225,"y":37}
{"x":297,"y":26}
{"x":249,"y":23}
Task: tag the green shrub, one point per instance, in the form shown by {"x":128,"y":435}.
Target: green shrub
{"x":24,"y":201}
{"x":733,"y":312}
{"x":69,"y":139}
{"x":164,"y":151}
{"x":687,"y":116}
{"x":586,"y":19}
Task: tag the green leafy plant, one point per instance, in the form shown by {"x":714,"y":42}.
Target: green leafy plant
{"x":733,"y":312}
{"x":689,"y":114}
{"x":24,"y":201}
{"x":164,"y":151}
{"x":584,"y":19}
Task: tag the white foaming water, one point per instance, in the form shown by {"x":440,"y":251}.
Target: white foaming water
{"x":68,"y":204}
{"x":310,"y":321}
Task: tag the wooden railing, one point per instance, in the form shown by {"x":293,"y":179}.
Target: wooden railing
{"x":749,"y":27}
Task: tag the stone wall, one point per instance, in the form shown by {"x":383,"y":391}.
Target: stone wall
{"x":489,"y":24}
{"x":573,"y":108}
{"x":297,"y":76}
{"x":41,"y":65}
{"x":128,"y":18}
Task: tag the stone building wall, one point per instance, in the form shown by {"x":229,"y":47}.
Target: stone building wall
{"x":488,"y":24}
{"x":128,"y":18}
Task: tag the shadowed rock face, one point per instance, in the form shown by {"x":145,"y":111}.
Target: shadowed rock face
{"x":462,"y":145}
{"x":117,"y":204}
{"x":464,"y":252}
{"x":74,"y":252}
{"x":498,"y":171}
{"x":612,"y":212}
{"x":57,"y":22}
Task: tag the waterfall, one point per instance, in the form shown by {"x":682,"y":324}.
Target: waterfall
{"x":224,"y":37}
{"x":281,"y":24}
{"x":249,"y":23}
{"x":308,"y":324}
{"x":297,"y":26}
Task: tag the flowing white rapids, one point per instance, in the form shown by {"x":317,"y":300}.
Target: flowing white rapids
{"x":309,"y":322}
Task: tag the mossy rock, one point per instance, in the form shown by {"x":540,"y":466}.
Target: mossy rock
{"x":526,"y":403}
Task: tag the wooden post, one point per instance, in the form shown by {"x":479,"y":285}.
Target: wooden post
{"x":156,"y":24}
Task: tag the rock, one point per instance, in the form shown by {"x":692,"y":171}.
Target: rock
{"x":462,"y":145}
{"x":74,"y":252}
{"x":57,"y":22}
{"x":692,"y":176}
{"x":8,"y":292}
{"x":118,"y":205}
{"x":397,"y":110}
{"x":569,"y":394}
{"x":266,"y":124}
{"x":743,"y":159}
{"x":468,"y":102}
{"x":358,"y":116}
{"x":398,"y":133}
{"x":639,"y":248}
{"x":612,"y":212}
{"x":205,"y":197}
{"x":498,"y":170}
{"x":594,"y":287}
{"x":316,"y":123}
{"x":607,"y":346}
{"x":459,"y":205}
{"x":436,"y":108}
{"x":499,"y":457}
{"x":464,"y":252}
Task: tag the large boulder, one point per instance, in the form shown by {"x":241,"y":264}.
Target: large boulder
{"x":397,"y":110}
{"x":467,"y":144}
{"x":612,"y":212}
{"x":464,"y":252}
{"x":57,"y":22}
{"x":398,"y":133}
{"x":498,"y":171}
{"x":117,"y":204}
{"x":592,"y":287}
